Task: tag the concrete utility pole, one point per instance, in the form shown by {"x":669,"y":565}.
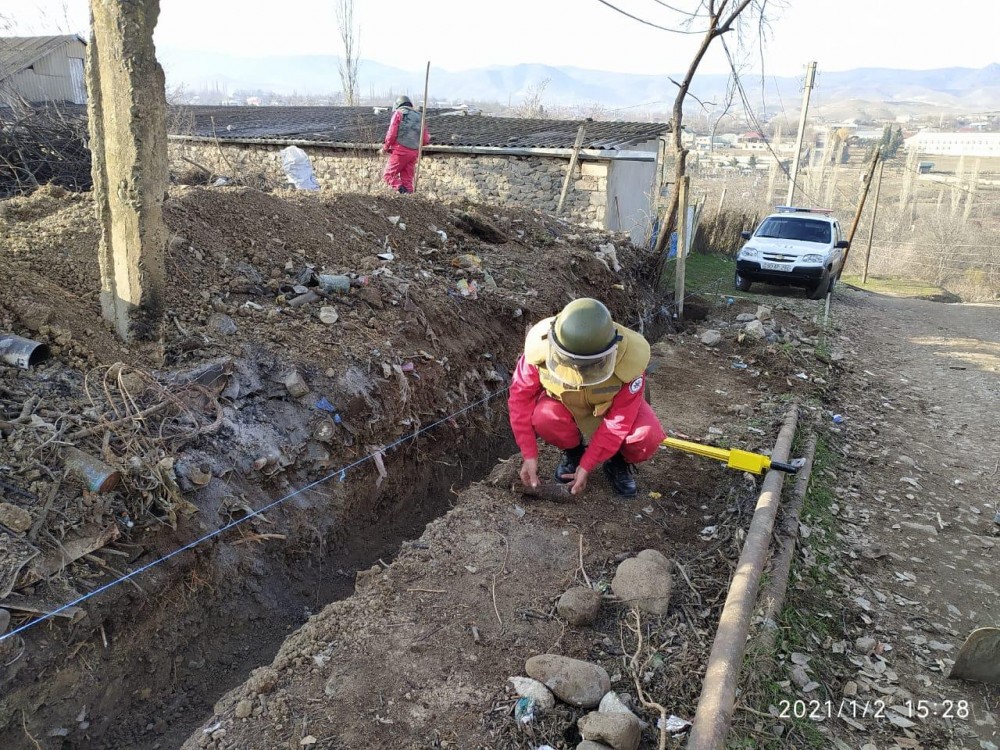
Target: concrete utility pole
{"x":810,"y":80}
{"x":128,"y":139}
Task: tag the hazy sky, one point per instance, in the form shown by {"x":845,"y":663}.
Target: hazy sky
{"x":458,"y":34}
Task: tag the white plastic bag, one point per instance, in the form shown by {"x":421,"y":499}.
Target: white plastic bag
{"x":298,"y":169}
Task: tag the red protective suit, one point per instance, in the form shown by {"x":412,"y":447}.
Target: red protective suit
{"x":629,"y":425}
{"x":402,"y":161}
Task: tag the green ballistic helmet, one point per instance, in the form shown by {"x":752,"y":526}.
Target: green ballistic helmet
{"x":584,"y":327}
{"x":403,"y":101}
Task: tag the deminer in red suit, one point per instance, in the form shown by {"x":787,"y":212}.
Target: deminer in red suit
{"x":402,"y":142}
{"x":580,"y":386}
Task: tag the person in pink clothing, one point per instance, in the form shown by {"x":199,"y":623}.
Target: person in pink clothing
{"x":579,"y":386}
{"x":402,"y":143}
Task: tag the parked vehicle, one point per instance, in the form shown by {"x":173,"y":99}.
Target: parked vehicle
{"x":794,"y":246}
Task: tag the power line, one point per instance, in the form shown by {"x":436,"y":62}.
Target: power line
{"x":649,"y":23}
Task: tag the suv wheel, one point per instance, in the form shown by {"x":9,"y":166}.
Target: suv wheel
{"x":742,"y":283}
{"x":820,"y":290}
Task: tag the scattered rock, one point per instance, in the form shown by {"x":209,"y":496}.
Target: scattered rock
{"x":222,"y":323}
{"x":296,"y":386}
{"x":576,"y":682}
{"x":612,"y":704}
{"x":243,"y":709}
{"x":711,"y":337}
{"x":4,"y":620}
{"x":529,"y":688}
{"x":579,"y":606}
{"x":645,"y":583}
{"x":921,"y":527}
{"x":763,"y":312}
{"x":618,"y":731}
{"x":745,"y":317}
{"x":865,"y":644}
{"x":655,"y":556}
{"x":799,"y":676}
{"x":755,"y":329}
{"x":850,"y":689}
{"x":14,"y":518}
{"x":591,"y":745}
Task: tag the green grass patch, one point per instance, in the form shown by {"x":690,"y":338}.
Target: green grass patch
{"x":895,"y":287}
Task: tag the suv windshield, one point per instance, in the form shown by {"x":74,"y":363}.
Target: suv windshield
{"x":789,"y":228}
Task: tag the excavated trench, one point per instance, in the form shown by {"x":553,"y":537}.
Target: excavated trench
{"x":144,"y":669}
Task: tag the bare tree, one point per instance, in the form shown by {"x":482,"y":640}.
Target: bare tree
{"x":720,"y":15}
{"x":350,"y":38}
{"x":533,"y":107}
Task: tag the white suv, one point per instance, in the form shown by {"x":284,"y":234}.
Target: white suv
{"x":795,"y":247}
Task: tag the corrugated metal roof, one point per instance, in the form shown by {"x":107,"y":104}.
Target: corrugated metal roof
{"x":20,"y":52}
{"x":362,"y":125}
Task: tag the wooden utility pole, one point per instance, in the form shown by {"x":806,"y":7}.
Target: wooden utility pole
{"x":722,"y":200}
{"x":810,"y":80}
{"x":871,"y":229}
{"x":682,"y":233}
{"x":580,"y":133}
{"x":861,"y":203}
{"x":423,"y":126}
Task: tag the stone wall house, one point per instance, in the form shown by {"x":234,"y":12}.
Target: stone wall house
{"x":507,"y":160}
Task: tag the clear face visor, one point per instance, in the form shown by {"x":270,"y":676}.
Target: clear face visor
{"x":580,"y":370}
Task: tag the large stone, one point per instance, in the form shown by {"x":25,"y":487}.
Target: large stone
{"x":579,"y":606}
{"x":14,"y":518}
{"x":745,"y":317}
{"x":763,"y":312}
{"x":657,"y":557}
{"x":756,"y":329}
{"x":576,"y":682}
{"x":591,"y":745}
{"x":618,"y":731}
{"x":711,"y":337}
{"x":644,"y":583}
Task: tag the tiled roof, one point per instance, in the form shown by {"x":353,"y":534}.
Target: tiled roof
{"x":362,"y":125}
{"x":19,"y":52}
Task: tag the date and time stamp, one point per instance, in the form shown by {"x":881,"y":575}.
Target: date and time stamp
{"x":874,"y":710}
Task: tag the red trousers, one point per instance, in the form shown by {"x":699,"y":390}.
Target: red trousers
{"x":554,"y":424}
{"x":400,"y":168}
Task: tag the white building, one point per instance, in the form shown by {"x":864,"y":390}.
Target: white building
{"x":43,"y":69}
{"x":957,"y":144}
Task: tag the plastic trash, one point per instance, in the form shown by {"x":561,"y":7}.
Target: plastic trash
{"x":298,"y":169}
{"x":329,"y":282}
{"x":524,"y":710}
{"x":838,"y":419}
{"x":325,"y":405}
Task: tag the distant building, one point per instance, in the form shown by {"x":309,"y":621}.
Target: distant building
{"x":959,"y":144}
{"x":43,"y":69}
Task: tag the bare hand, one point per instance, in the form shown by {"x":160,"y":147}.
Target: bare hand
{"x":529,"y":472}
{"x":579,"y":480}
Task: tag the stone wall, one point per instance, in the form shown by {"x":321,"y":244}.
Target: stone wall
{"x":526,"y":181}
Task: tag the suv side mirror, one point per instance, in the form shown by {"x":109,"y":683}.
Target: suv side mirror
{"x":746,"y":235}
{"x":843,"y":244}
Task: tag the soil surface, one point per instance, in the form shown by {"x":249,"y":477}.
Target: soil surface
{"x":908,"y":566}
{"x":246,"y":398}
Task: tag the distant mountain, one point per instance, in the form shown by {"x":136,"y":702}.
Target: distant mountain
{"x":967,"y":89}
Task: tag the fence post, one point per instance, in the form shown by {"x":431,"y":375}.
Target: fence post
{"x":682,"y":232}
{"x":871,"y":229}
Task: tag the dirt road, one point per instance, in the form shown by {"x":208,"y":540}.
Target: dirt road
{"x":907,"y":565}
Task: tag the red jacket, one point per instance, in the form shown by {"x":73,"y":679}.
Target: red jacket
{"x":391,"y":144}
{"x":526,"y":388}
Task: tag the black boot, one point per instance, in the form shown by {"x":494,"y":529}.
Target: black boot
{"x":620,"y":475}
{"x":571,"y":459}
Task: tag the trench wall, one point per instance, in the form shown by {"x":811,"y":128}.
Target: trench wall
{"x":521,"y":181}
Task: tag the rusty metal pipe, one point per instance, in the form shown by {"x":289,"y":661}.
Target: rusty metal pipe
{"x":21,"y":352}
{"x":773,"y":596}
{"x":718,"y":694}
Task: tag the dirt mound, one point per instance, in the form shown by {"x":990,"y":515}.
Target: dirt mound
{"x":247,"y":394}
